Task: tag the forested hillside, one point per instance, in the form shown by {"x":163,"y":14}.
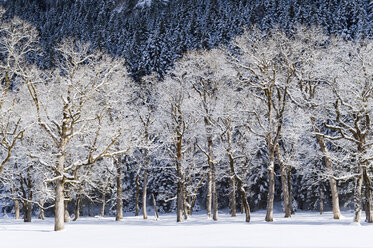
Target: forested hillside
{"x":151,"y":35}
{"x":112,"y":106}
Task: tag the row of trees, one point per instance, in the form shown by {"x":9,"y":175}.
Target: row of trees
{"x":268,"y":102}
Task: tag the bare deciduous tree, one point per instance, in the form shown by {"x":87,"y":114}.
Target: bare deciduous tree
{"x":72,"y":110}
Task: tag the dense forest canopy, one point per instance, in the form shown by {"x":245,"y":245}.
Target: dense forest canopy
{"x":151,"y":35}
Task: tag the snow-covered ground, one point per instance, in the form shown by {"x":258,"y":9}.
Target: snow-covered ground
{"x":304,"y":229}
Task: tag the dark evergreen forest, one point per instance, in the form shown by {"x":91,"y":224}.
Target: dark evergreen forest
{"x":152,"y":37}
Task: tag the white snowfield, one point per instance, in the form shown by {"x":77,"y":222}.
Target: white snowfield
{"x":304,"y":229}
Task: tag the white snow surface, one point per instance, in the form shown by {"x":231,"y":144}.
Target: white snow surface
{"x":304,"y":229}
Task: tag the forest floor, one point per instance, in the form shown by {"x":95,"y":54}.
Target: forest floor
{"x":303,"y":229}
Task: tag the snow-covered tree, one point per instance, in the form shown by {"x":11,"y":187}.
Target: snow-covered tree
{"x":77,"y":109}
{"x":350,"y":112}
{"x":207,"y":72}
{"x":17,"y":40}
{"x":310,"y":96}
{"x":177,"y":118}
{"x":144,"y":104}
{"x":267,"y":64}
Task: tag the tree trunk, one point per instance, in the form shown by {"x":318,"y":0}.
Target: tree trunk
{"x":180,"y":191}
{"x":357,"y":198}
{"x":41,"y":214}
{"x":209,"y":194}
{"x":179,"y":135}
{"x":59,"y":205}
{"x":28,"y":211}
{"x":180,"y":182}
{"x":214,"y":198}
{"x":240,"y":186}
{"x":77,"y":208}
{"x":29,"y":196}
{"x":321,"y":200}
{"x":232,"y":194}
{"x":368,"y":196}
{"x":214,"y":195}
{"x":233,"y":204}
{"x":155,"y":208}
{"x":185,"y":204}
{"x":284,"y":185}
{"x":212,"y":201}
{"x":103,"y":204}
{"x":190,"y":204}
{"x":289,"y":190}
{"x":180,"y":202}
{"x":59,"y":208}
{"x":232,"y":197}
{"x":332,"y":182}
{"x":137,"y":193}
{"x":145,"y":182}
{"x":59,"y":202}
{"x":16,"y":209}
{"x":119,"y":212}
{"x":146,"y":165}
{"x":245,"y":204}
{"x":24,"y":208}
{"x":271,"y":185}
{"x":66,"y":214}
{"x":194,"y":197}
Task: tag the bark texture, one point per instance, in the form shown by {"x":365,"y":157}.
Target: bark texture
{"x":180,"y":183}
{"x":321,"y":200}
{"x":16,"y":209}
{"x":284,"y":182}
{"x":209,"y":194}
{"x":144,"y":189}
{"x":59,"y":206}
{"x":66,"y":214}
{"x":368,"y":196}
{"x":119,"y":210}
{"x":357,"y":199}
{"x":271,"y":184}
{"x":332,"y":182}
{"x":103,"y":204}
{"x":77,"y":207}
{"x":155,"y":208}
{"x":41,"y":213}
{"x":137,"y":194}
{"x":212,"y":196}
{"x":240,"y":184}
{"x":232,"y":196}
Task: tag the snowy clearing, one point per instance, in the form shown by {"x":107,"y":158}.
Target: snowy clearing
{"x":304,"y":229}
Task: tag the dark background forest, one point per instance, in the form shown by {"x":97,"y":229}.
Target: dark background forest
{"x":152,"y":35}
